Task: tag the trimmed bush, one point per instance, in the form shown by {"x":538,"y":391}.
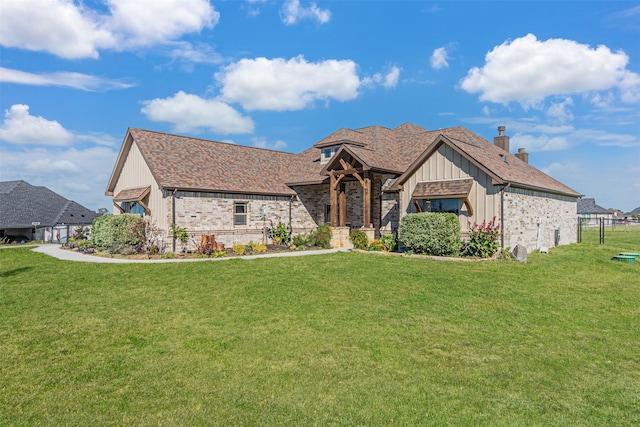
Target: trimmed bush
{"x":431,"y":233}
{"x":359,"y":239}
{"x":116,"y":232}
{"x":323,"y":236}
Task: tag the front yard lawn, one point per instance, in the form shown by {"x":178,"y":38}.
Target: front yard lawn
{"x":340,"y":339}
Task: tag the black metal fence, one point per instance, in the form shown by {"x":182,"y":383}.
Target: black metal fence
{"x":595,"y":230}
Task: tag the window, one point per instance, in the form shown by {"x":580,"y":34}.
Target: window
{"x":133,"y":208}
{"x":443,"y":206}
{"x":327,"y":213}
{"x":328,"y":153}
{"x":240,"y":213}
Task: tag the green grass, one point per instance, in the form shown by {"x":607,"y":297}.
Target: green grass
{"x":341,"y":339}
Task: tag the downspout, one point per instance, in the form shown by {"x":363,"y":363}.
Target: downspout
{"x":173,"y":218}
{"x":504,"y":187}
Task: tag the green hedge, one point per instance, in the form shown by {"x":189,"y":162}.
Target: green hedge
{"x":115,"y":232}
{"x":431,"y":233}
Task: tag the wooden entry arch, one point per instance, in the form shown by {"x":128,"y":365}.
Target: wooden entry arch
{"x":338,"y":195}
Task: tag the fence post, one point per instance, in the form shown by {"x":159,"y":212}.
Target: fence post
{"x":579,"y":229}
{"x":602,"y":231}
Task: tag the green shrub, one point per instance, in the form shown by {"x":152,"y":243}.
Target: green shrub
{"x":117,"y":231}
{"x":483,"y":240}
{"x":431,"y":233}
{"x":389,"y":242}
{"x":376,"y":246}
{"x":359,"y":239}
{"x":256,"y":248}
{"x":280,"y":234}
{"x":302,"y":240}
{"x":239,"y":248}
{"x":323,"y":236}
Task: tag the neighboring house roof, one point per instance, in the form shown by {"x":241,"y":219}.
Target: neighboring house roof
{"x":196,"y":164}
{"x":589,"y":206}
{"x":22,"y":204}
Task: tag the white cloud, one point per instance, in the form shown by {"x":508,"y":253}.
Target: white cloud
{"x":527,"y":71}
{"x":76,"y":174}
{"x":142,"y":23}
{"x":439,"y":58}
{"x":19,"y":127}
{"x":261,"y":142}
{"x":192,"y":113}
{"x":540,"y":142}
{"x":73,"y":31}
{"x":64,"y":79}
{"x":279,"y":85}
{"x":388,"y":80}
{"x":391,"y":79}
{"x":560,"y":112}
{"x":292,"y":12}
{"x":58,"y":27}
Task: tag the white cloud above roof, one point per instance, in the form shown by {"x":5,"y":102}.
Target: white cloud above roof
{"x":63,"y":79}
{"x":58,"y":27}
{"x":141,"y":23}
{"x":189,"y":112}
{"x":439,"y":58}
{"x":279,"y":84}
{"x":527,"y":70}
{"x":20,"y":127}
{"x":292,"y":12}
{"x":72,"y":31}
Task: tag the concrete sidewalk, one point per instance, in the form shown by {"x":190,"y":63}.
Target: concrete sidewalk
{"x":67,"y":255}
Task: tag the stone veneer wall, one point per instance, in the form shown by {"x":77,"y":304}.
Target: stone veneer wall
{"x":531,"y":219}
{"x":390,"y":213}
{"x":214,"y":215}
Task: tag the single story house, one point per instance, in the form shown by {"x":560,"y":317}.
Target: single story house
{"x":37,"y":213}
{"x":591,"y":213}
{"x":366,"y":178}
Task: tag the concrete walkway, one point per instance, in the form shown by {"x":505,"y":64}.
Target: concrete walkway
{"x":56,"y":251}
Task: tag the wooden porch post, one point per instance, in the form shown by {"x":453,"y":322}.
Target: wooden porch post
{"x":366,"y":187}
{"x":343,"y":206}
{"x":334,"y":200}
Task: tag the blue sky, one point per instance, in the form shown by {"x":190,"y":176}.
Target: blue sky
{"x":563,"y":77}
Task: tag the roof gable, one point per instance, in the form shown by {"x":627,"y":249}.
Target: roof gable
{"x":500,"y":165}
{"x":186,"y":163}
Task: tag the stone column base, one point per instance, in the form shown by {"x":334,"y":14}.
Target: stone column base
{"x":370,"y":232}
{"x":340,"y":237}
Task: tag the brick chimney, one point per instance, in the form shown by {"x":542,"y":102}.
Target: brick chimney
{"x":501,"y":140}
{"x":522,"y":155}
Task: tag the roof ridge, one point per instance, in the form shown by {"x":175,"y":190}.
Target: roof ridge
{"x":232,"y":144}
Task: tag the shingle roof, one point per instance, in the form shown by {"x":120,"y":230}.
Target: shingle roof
{"x":132,"y":194}
{"x":589,"y":206}
{"x":458,"y":188}
{"x":197,"y":164}
{"x":21,"y":204}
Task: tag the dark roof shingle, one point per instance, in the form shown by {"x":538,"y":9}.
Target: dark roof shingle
{"x":22,"y":204}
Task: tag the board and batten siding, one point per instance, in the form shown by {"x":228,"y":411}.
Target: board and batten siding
{"x":136,"y":173}
{"x":446,"y":164}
